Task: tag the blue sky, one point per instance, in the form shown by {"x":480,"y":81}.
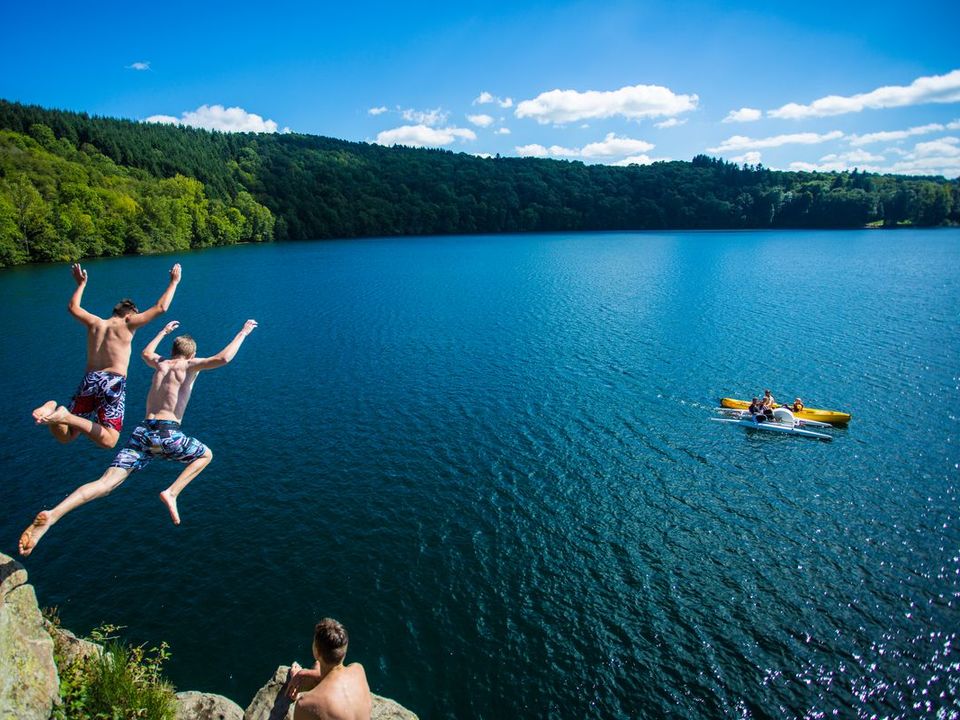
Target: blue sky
{"x":791,"y":85}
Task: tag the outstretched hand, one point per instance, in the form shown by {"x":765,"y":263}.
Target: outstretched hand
{"x":248,"y":327}
{"x":171,"y":326}
{"x":175,"y":272}
{"x":79,"y":274}
{"x":293,"y":683}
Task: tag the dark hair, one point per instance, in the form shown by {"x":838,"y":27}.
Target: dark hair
{"x":184,"y":346}
{"x":125,"y":307}
{"x":330,"y":641}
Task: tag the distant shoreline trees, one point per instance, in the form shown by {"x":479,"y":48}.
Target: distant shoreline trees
{"x":74,"y":186}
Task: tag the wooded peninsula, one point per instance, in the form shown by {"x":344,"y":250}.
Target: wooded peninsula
{"x":75,"y":186}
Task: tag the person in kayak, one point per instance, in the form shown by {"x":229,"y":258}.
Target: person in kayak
{"x":756,"y":410}
{"x":797,"y":405}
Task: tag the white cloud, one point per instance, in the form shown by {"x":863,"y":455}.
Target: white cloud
{"x":424,"y":136}
{"x":672,"y":122}
{"x":485,"y":156}
{"x":938,"y":157}
{"x":748,"y":158}
{"x":632,"y":102}
{"x":502,"y":131}
{"x":611,"y":146}
{"x":486,"y":98}
{"x":891,"y":135}
{"x":932,"y":89}
{"x":217,"y":117}
{"x":480,"y":120}
{"x":854,"y":156}
{"x":744,"y":114}
{"x":142,"y":65}
{"x":945,"y":147}
{"x":615,"y":145}
{"x":638,"y":160}
{"x":431,"y":118}
{"x":740,"y":142}
{"x":377,"y":110}
{"x":533,"y":150}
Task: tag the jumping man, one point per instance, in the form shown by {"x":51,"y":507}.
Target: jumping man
{"x":159,"y":435}
{"x":103,"y":389}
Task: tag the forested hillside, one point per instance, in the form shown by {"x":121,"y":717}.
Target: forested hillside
{"x":73,"y":186}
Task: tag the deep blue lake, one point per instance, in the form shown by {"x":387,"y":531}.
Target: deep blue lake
{"x":491,"y":459}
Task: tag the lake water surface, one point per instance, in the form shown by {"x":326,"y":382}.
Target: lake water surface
{"x":491,"y":459}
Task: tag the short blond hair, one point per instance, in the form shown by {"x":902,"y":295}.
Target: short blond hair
{"x":184,"y":346}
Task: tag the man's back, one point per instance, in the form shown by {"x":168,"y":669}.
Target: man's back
{"x":170,"y":389}
{"x":342,"y":695}
{"x":108,"y":345}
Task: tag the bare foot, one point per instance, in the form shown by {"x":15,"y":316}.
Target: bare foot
{"x":31,"y":536}
{"x":57,"y":416}
{"x":171,"y":502}
{"x":41,"y":412}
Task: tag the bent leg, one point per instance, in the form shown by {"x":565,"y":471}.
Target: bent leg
{"x":169,"y":496}
{"x":65,"y":426}
{"x":46,"y":519}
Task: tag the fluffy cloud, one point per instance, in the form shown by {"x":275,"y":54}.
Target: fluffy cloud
{"x":486,"y":98}
{"x":632,"y":102}
{"x":748,"y":158}
{"x":932,"y":89}
{"x":740,"y":142}
{"x":480,"y":120}
{"x":611,"y":146}
{"x":672,"y":122}
{"x":532,"y":150}
{"x":742,"y":115}
{"x":431,"y":118}
{"x":424,"y":136}
{"x":143,"y":65}
{"x":615,"y":145}
{"x":502,"y":131}
{"x":938,"y":157}
{"x":891,"y":135}
{"x":945,"y":147}
{"x":638,"y":160}
{"x":377,"y":110}
{"x":217,"y":117}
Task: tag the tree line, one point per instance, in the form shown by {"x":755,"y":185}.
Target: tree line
{"x":72,"y":186}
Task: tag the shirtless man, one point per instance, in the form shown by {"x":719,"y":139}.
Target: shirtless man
{"x":159,"y":435}
{"x":103,"y":389}
{"x":330,"y":690}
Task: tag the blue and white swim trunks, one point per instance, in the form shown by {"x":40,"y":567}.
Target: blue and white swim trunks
{"x":157,"y":439}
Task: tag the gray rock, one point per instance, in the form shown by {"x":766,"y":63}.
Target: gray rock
{"x":69,"y":648}
{"x":12,"y":575}
{"x":29,"y":684}
{"x":271,"y":704}
{"x":206,"y":706}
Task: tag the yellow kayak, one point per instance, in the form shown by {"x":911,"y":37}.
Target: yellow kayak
{"x":834,"y":417}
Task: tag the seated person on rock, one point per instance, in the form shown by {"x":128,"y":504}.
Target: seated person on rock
{"x":330,"y":690}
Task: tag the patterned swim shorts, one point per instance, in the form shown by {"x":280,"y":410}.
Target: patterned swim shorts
{"x":157,"y":439}
{"x":103,"y":393}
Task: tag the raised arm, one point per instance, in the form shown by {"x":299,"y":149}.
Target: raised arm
{"x":149,"y":354}
{"x":225,"y":355}
{"x":161,"y":306}
{"x":74,"y":307}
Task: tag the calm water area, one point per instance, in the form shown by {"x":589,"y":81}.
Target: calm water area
{"x":491,"y":458}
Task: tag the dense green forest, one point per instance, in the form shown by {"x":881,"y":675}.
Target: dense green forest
{"x":75,"y":186}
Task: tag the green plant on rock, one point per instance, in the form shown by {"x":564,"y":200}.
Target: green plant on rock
{"x":124,"y":682}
